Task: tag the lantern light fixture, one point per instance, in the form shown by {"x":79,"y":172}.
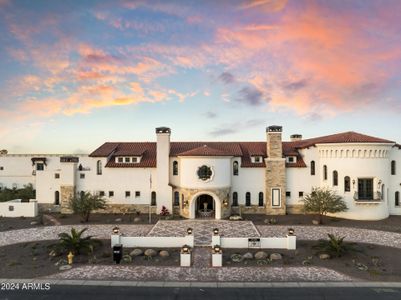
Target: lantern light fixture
{"x":116,"y":230}
{"x":185,"y":249}
{"x":215,"y":231}
{"x":291,"y":231}
{"x":189,"y":230}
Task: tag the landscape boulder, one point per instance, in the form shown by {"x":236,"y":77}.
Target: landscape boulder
{"x":324,"y":256}
{"x":150,"y":252}
{"x":275,"y":256}
{"x":260,"y":255}
{"x":248,"y":255}
{"x":136,"y":252}
{"x":164,"y":253}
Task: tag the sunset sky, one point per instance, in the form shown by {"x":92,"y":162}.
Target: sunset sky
{"x":75,"y":74}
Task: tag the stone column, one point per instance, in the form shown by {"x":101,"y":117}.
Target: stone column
{"x":275,"y":171}
{"x":66,"y":192}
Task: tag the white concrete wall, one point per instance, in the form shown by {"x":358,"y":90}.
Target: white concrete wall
{"x":19,"y":209}
{"x":288,"y":242}
{"x":248,"y":180}
{"x":152,"y":241}
{"x":220,"y":166}
{"x":17,"y":171}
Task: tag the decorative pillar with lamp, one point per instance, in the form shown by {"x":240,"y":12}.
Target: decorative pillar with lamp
{"x":217,"y":256}
{"x":185,"y":256}
{"x":291,"y":239}
{"x":216,"y":237}
{"x":115,"y":236}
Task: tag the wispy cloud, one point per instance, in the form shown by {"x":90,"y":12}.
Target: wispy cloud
{"x":227,"y":78}
{"x":251,"y":96}
{"x":232,"y":128}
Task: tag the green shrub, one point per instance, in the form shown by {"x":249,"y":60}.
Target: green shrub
{"x":84,"y":203}
{"x":335,"y":246}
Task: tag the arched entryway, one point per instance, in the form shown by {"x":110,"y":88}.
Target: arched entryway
{"x":204,"y":205}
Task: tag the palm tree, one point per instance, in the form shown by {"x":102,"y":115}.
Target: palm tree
{"x":75,"y":243}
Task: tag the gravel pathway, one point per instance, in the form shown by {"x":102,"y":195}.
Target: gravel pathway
{"x":358,"y":235}
{"x":51,"y":232}
{"x":118,"y":272}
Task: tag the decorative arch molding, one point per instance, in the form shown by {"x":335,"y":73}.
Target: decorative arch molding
{"x":217,"y":203}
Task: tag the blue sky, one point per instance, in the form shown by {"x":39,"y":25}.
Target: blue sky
{"x":74,"y":74}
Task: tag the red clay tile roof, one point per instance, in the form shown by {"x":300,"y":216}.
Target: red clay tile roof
{"x":237,"y":149}
{"x":344,"y":137}
{"x":205,"y":150}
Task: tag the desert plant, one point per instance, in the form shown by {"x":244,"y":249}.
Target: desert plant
{"x":334,"y":246}
{"x":84,"y":203}
{"x":76,"y":243}
{"x":322,"y":201}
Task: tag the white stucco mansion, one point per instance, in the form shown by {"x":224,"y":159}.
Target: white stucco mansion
{"x":197,"y":179}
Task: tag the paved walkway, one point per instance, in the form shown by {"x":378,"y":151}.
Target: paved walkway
{"x":203,"y":229}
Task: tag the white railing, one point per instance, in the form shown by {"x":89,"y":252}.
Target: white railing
{"x":152,"y":241}
{"x":288,"y":242}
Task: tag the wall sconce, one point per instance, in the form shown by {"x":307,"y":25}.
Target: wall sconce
{"x":216,"y":231}
{"x":185,"y":249}
{"x":189,"y":231}
{"x":216,"y":249}
{"x":353,"y":182}
{"x":379,"y":183}
{"x":185,"y":202}
{"x":225,"y":203}
{"x":116,"y":230}
{"x":291,"y":231}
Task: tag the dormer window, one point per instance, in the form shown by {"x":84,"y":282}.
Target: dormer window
{"x":127,"y":159}
{"x":257,"y":159}
{"x":291,"y":159}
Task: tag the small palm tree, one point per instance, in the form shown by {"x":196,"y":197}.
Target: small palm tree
{"x":84,"y":203}
{"x":75,"y":243}
{"x":334,"y":246}
{"x":322,"y":201}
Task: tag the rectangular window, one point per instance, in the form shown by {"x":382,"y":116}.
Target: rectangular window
{"x":127,"y":194}
{"x":288,"y":194}
{"x":137,"y":194}
{"x":134,"y":159}
{"x":257,"y":159}
{"x":120,"y":159}
{"x":101,"y":193}
{"x":82,"y":175}
{"x":365,"y":189}
{"x":127,"y":159}
{"x":40,"y":167}
{"x":276,"y":198}
{"x":291,"y":159}
{"x":1,"y":168}
{"x":57,"y":175}
{"x":111,"y":194}
{"x":301,"y":194}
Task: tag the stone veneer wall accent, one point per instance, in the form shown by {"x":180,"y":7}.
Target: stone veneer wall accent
{"x":253,"y":209}
{"x":48,"y":207}
{"x":222,"y":194}
{"x":127,"y":208}
{"x":295,"y":209}
{"x":275,"y":178}
{"x":274,"y":145}
{"x":66,"y":192}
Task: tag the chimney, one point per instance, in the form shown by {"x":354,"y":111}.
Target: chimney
{"x":161,"y":184}
{"x":295,"y":137}
{"x":274,"y":144}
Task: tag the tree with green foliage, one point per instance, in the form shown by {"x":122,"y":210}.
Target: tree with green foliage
{"x":322,"y":201}
{"x":84,"y":203}
{"x":26,"y":193}
{"x":76,"y":243}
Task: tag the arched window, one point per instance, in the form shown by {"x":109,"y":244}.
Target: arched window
{"x":57,"y":198}
{"x":248,"y":199}
{"x":235,"y":199}
{"x":153,"y":199}
{"x":335,"y":178}
{"x":175,"y":168}
{"x":176,"y":199}
{"x":397,"y":199}
{"x":182,"y":201}
{"x":235,"y":168}
{"x":393,"y":167}
{"x":324,"y":172}
{"x":261,"y":199}
{"x":99,"y":167}
{"x":312,"y":167}
{"x":347,"y":184}
{"x":382,"y":193}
